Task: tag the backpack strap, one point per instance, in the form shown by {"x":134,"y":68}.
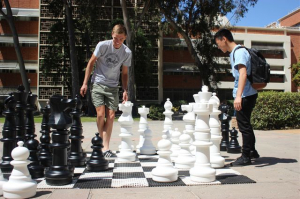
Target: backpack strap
{"x":249,"y":77}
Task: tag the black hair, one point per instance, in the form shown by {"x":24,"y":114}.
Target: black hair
{"x":224,"y":33}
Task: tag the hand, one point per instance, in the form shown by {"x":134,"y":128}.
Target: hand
{"x":125,"y":96}
{"x":83,"y":90}
{"x":238,"y":103}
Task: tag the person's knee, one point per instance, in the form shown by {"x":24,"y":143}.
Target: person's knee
{"x":110,"y":117}
{"x":100,"y":113}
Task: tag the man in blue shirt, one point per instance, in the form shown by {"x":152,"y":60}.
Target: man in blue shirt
{"x":243,"y":93}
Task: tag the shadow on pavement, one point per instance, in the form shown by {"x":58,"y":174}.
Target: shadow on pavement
{"x":268,"y":161}
{"x":41,"y":193}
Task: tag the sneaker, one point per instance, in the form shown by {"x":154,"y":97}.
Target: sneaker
{"x":241,"y":161}
{"x":254,"y":154}
{"x":109,"y":154}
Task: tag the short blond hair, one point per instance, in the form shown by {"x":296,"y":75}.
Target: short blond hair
{"x":119,"y":29}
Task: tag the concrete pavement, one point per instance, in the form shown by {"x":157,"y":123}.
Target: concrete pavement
{"x":277,"y":172}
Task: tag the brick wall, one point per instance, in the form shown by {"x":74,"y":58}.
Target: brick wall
{"x":23,"y":27}
{"x":9,"y":53}
{"x":182,"y":56}
{"x":29,"y":4}
{"x":14,"y":79}
{"x":181,"y":81}
{"x":291,"y":20}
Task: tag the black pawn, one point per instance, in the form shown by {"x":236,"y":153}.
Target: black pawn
{"x":36,"y":170}
{"x":21,"y":99}
{"x":77,"y":156}
{"x":97,"y":161}
{"x":225,"y":118}
{"x":9,"y":134}
{"x":233,"y":146}
{"x":44,"y":151}
{"x":29,"y":119}
{"x":59,"y":172}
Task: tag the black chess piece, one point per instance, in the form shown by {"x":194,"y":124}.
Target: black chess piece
{"x":21,"y":99}
{"x":36,"y":170}
{"x":97,"y":161}
{"x":44,"y":151}
{"x":225,"y":118}
{"x":77,"y":156}
{"x":59,"y":173}
{"x":8,"y":133}
{"x":233,"y":146}
{"x":29,"y":119}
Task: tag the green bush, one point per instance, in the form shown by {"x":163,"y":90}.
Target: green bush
{"x":156,"y":111}
{"x":276,"y":110}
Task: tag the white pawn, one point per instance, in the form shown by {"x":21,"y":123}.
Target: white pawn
{"x":185,"y":159}
{"x":20,"y":184}
{"x":168,"y":123}
{"x":164,"y":170}
{"x":2,"y":181}
{"x":175,"y":144}
{"x":147,"y":148}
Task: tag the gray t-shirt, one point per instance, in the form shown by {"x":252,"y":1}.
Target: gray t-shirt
{"x":109,"y":62}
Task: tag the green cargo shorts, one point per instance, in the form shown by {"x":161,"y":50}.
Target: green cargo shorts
{"x":104,"y":95}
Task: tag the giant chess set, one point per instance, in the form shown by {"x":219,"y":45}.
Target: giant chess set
{"x":190,"y":157}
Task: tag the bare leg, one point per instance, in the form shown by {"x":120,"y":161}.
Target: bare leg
{"x":100,"y":119}
{"x":107,"y":130}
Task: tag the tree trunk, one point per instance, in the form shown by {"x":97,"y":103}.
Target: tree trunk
{"x":73,"y":54}
{"x":129,"y":39}
{"x":10,"y":20}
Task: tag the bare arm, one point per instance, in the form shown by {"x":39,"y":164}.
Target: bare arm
{"x":88,"y":72}
{"x":125,"y":82}
{"x":241,"y":85}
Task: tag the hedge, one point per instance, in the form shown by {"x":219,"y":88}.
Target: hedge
{"x":276,"y":110}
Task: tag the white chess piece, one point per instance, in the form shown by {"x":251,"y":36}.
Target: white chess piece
{"x":202,"y":170}
{"x":175,"y":144}
{"x":126,"y":152}
{"x":2,"y":181}
{"x":185,"y":159}
{"x":168,"y":123}
{"x":143,"y":125}
{"x":164,"y":170}
{"x":189,"y":120}
{"x":216,"y":160}
{"x":147,"y":147}
{"x":20,"y":184}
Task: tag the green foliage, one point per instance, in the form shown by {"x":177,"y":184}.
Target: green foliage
{"x":156,"y":111}
{"x":177,"y":105}
{"x":295,"y":69}
{"x":276,"y":110}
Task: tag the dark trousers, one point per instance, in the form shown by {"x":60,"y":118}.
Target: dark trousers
{"x":243,"y":119}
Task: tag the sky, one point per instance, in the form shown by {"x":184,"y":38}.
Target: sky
{"x":265,"y":12}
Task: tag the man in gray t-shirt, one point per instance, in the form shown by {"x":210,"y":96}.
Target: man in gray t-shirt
{"x":108,"y":56}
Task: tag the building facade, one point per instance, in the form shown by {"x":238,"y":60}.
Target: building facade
{"x":26,"y":15}
{"x":173,"y":73}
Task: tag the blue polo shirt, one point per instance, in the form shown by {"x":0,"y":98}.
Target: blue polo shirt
{"x":241,"y":56}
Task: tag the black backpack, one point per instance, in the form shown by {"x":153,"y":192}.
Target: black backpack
{"x":260,"y":69}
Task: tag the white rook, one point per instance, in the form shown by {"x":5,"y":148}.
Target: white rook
{"x":143,"y":125}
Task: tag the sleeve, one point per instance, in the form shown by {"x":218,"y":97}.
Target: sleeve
{"x":127,"y":61}
{"x":100,"y":49}
{"x":241,"y":56}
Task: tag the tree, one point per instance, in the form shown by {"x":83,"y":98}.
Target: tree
{"x":295,"y":69}
{"x":131,"y":32}
{"x":10,"y":20}
{"x":73,"y":54}
{"x":197,"y":19}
